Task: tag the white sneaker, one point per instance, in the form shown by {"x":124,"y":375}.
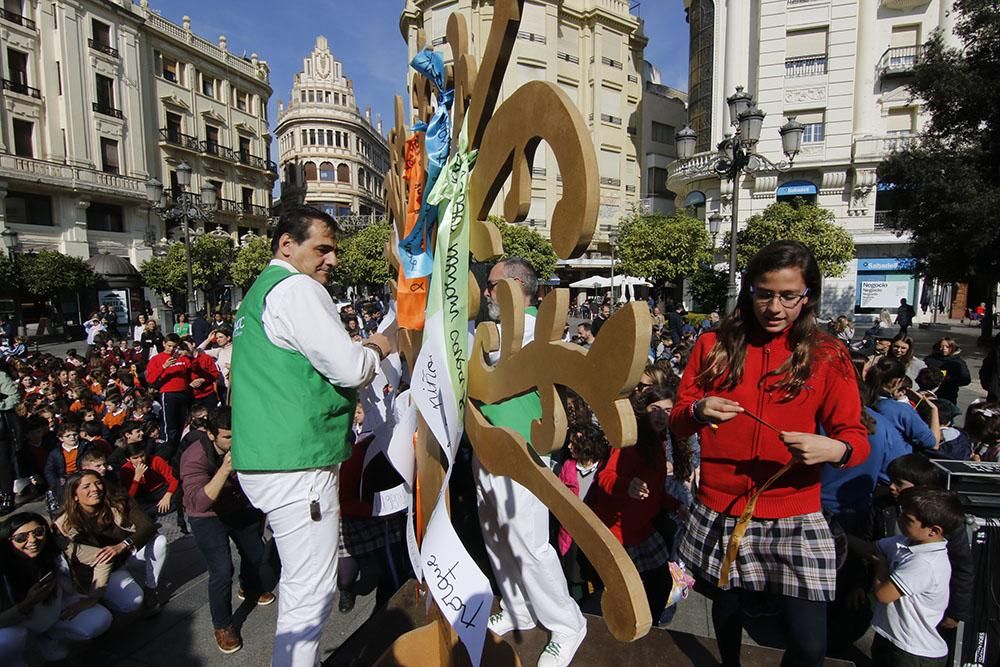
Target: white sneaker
{"x":560,"y":650}
{"x":501,"y":623}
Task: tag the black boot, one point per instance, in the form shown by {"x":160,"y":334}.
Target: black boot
{"x":346,"y":603}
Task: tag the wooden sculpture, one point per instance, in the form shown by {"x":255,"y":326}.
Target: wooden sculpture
{"x":602,"y":376}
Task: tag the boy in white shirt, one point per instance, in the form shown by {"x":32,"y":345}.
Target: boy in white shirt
{"x":911,"y":584}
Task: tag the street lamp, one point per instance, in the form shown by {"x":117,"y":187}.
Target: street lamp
{"x":737,"y":154}
{"x":13,"y":246}
{"x":612,"y":239}
{"x":185,"y":210}
{"x":714,"y":224}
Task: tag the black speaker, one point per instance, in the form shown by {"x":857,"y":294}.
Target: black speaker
{"x":978,"y":644}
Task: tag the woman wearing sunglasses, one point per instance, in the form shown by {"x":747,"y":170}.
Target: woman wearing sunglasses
{"x":102,"y":533}
{"x":40,"y":613}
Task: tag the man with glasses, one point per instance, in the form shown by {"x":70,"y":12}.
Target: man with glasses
{"x":533,"y":588}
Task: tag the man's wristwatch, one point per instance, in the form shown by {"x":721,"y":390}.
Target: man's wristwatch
{"x":129,"y":544}
{"x":846,"y":458}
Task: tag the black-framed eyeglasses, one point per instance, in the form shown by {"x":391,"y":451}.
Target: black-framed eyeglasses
{"x":786,"y":299}
{"x":20,"y":538}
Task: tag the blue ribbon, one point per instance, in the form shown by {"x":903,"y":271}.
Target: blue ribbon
{"x":416,"y":259}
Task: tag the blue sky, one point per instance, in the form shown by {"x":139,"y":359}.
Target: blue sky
{"x":364,"y":35}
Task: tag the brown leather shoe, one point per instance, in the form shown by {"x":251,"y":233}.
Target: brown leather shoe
{"x":228,"y":640}
{"x":264,"y":600}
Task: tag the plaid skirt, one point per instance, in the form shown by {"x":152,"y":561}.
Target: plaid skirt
{"x":649,"y":554}
{"x":794,"y":556}
{"x":363,"y":536}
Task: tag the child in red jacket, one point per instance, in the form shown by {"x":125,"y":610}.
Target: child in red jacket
{"x":630,"y":497}
{"x":148,"y":479}
{"x":757,"y":390}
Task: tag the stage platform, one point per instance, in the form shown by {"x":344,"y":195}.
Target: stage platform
{"x":406,"y":611}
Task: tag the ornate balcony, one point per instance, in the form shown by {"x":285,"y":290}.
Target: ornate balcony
{"x":17,"y":18}
{"x":178,"y":138}
{"x":22,"y":89}
{"x":899,"y":61}
{"x":106,"y":49}
{"x":106,"y":110}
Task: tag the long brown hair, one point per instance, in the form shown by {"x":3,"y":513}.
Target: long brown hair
{"x":723,"y":368}
{"x":649,"y":443}
{"x":103,"y":518}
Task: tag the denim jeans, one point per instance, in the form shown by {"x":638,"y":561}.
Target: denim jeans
{"x":212,"y":536}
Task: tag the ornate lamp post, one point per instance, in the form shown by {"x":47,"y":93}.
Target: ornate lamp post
{"x":186,"y":210}
{"x":737,"y":154}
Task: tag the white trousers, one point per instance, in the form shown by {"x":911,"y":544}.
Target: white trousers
{"x":308,"y":551}
{"x":532,"y":585}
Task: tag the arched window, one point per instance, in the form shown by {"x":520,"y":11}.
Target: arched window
{"x":694,"y":204}
{"x":343,"y":173}
{"x":310,"y":171}
{"x":327,"y":172}
{"x":361,"y":178}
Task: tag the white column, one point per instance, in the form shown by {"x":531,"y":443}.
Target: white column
{"x":866,"y":60}
{"x":737,"y":53}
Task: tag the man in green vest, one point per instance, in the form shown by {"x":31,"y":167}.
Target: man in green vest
{"x":295,"y":374}
{"x":532,"y":584}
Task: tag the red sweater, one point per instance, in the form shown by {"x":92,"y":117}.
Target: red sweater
{"x":169,"y":379}
{"x":204,"y":367}
{"x":739,"y":456}
{"x":158,"y":474}
{"x":630,"y":520}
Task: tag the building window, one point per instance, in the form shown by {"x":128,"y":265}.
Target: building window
{"x":329,"y":137}
{"x":174,"y":127}
{"x":339,"y":145}
{"x":899,"y":122}
{"x":25,"y":208}
{"x":17,"y":67}
{"x":241,"y":100}
{"x":657,"y":186}
{"x":815,"y":126}
{"x":170,"y":69}
{"x":105,"y":93}
{"x":105,"y":217}
{"x":211,"y":139}
{"x":327,"y":172}
{"x":23,"y":144}
{"x":109,"y":156}
{"x":321,"y":138}
{"x":701,"y":17}
{"x":343,"y":173}
{"x":805,"y":52}
{"x":247,"y":201}
{"x":312,"y":137}
{"x":218,"y":191}
{"x":663,"y":133}
{"x":305,"y":137}
{"x":310,"y":171}
{"x":208,"y":85}
{"x":101,"y":34}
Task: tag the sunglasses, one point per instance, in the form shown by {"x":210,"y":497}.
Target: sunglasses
{"x":20,"y":538}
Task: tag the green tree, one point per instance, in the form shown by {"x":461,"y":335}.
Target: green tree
{"x":49,"y":274}
{"x":211,"y":259}
{"x":250,"y":261}
{"x":830,"y":243}
{"x":360,"y":259}
{"x":708,"y":287}
{"x":947,"y":185}
{"x":524,"y":242}
{"x":660,"y":248}
{"x":8,"y":272}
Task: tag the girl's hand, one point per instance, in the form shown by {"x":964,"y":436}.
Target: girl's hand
{"x":637,"y":489}
{"x":716,"y":410}
{"x":108,"y":554}
{"x":810,"y":448}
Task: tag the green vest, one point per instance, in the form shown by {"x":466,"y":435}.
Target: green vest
{"x":286,"y":415}
{"x":516,"y":412}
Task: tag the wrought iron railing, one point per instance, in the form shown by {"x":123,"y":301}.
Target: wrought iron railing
{"x":103,"y":48}
{"x":22,"y":88}
{"x":107,"y":110}
{"x":17,"y":18}
{"x":178,"y":138}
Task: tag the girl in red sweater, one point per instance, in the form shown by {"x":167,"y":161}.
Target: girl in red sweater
{"x":769,"y":359}
{"x":629,"y":495}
